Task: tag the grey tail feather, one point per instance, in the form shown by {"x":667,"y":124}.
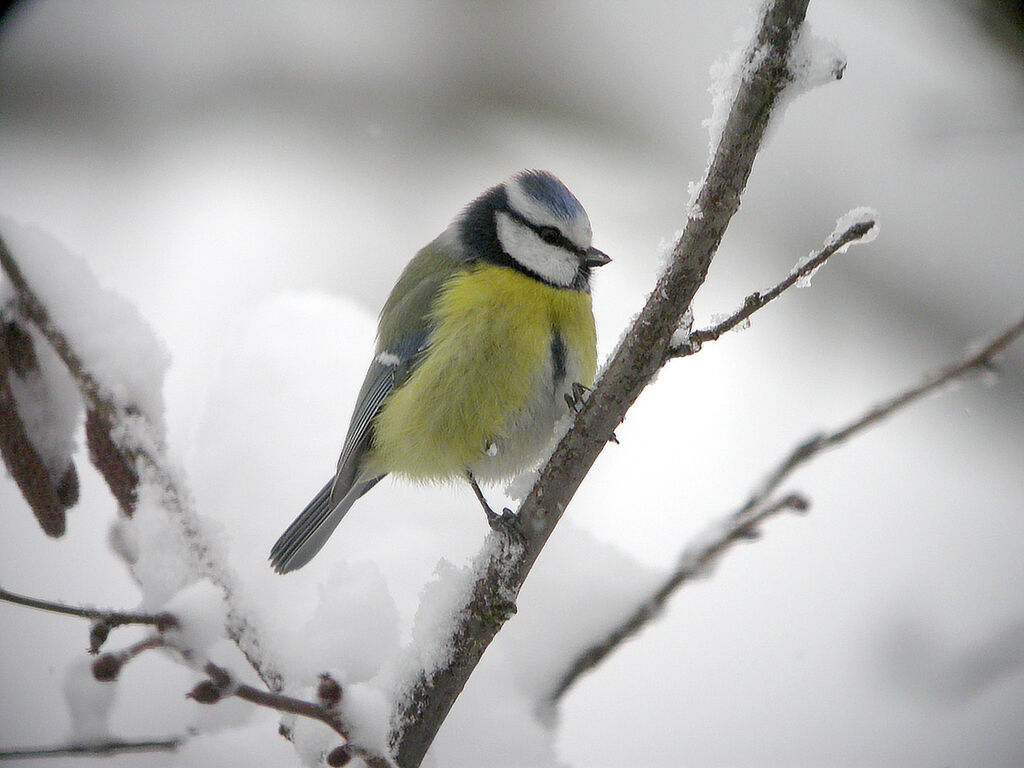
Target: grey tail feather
{"x":310,"y":530}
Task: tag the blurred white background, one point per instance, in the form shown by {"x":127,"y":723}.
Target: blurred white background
{"x":255,"y":174}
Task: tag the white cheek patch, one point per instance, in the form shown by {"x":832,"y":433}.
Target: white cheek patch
{"x":554,"y":264}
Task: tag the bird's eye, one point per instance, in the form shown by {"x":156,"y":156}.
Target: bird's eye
{"x":549,"y":235}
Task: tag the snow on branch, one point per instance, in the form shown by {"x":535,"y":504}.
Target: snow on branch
{"x":124,"y":441}
{"x":175,"y":634}
{"x":979,"y":358}
{"x":695,"y":562}
{"x":60,"y":298}
{"x":742,"y":525}
{"x":512,"y":549}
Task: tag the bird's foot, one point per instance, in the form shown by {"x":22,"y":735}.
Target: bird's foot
{"x":577,"y":397}
{"x":505,"y":523}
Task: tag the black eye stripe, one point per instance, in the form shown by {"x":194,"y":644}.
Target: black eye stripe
{"x":548,"y":234}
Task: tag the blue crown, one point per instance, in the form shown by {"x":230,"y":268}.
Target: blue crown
{"x":545,"y":188}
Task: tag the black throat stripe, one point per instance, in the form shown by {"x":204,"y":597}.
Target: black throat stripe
{"x":557,"y":358}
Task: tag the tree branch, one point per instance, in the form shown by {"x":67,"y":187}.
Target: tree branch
{"x":35,"y":311}
{"x":101,"y":749}
{"x":221,"y":683}
{"x":127,"y":449}
{"x":113,"y":618}
{"x":508,"y":556}
{"x":742,"y":524}
{"x":971,"y":361}
{"x":836,"y":243}
{"x":694,"y":562}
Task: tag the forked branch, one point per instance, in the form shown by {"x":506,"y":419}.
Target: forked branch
{"x":220,"y":684}
{"x":981,"y":358}
{"x":690,"y":343}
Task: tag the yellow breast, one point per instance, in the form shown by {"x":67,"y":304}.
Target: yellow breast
{"x":491,"y":345}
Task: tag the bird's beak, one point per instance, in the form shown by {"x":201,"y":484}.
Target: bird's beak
{"x":595,"y":258}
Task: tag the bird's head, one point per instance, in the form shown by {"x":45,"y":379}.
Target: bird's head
{"x":532,"y":223}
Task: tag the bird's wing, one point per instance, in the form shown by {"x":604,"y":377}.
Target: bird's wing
{"x":379,"y":382}
{"x":403,"y":332}
{"x":402,"y":337}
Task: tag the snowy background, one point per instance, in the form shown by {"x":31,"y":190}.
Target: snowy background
{"x":253,"y":176}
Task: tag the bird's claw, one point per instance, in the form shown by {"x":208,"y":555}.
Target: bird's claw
{"x":506,"y":523}
{"x":574,"y":399}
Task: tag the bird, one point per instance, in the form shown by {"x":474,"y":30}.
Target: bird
{"x":484,"y":343}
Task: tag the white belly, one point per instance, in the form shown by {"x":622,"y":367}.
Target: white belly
{"x":530,"y":429}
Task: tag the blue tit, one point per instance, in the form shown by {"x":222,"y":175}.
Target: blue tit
{"x":482,"y":343}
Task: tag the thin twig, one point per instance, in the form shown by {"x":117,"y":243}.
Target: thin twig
{"x":759,"y":507}
{"x":221,"y":684}
{"x":113,"y":618}
{"x":695,"y":562}
{"x":980,"y":358}
{"x":278,"y":701}
{"x":108,"y":667}
{"x":225,"y":685}
{"x":755,"y":301}
{"x":33,"y":309}
{"x":101,"y":749}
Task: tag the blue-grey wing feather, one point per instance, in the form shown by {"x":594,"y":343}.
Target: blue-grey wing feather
{"x":403,"y":335}
{"x":379,"y":383}
{"x":314,"y":525}
{"x":388,"y":371}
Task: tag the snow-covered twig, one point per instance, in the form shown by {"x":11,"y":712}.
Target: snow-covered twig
{"x":689,"y":343}
{"x":980,"y":357}
{"x":695,"y":561}
{"x":100,"y":749}
{"x":33,"y":310}
{"x":104,"y":620}
{"x":126,"y":448}
{"x":511,"y":553}
{"x":739,"y":525}
{"x":220,"y":683}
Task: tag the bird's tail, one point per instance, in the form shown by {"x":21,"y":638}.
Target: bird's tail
{"x":311,"y":529}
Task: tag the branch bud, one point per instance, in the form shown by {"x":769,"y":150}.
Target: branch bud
{"x":206,"y":692}
{"x":797,"y":503}
{"x":165,"y":621}
{"x":328,"y":691}
{"x":107,"y":666}
{"x":98,"y":634}
{"x":339,"y":756}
